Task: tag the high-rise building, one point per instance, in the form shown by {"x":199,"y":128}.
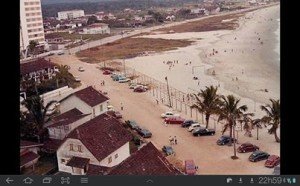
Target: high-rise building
{"x":31,"y":23}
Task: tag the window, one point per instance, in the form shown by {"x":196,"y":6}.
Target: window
{"x":101,"y":108}
{"x":62,"y":160}
{"x":110,"y":159}
{"x":116,"y":156}
{"x":79,"y":148}
{"x":71,"y":147}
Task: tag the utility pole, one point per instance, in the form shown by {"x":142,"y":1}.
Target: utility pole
{"x":170,"y":104}
{"x":124,"y":67}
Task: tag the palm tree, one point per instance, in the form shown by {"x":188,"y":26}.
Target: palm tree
{"x":272,"y":117}
{"x":36,"y":109}
{"x":64,"y":75}
{"x":230,"y":111}
{"x":246,"y":119}
{"x":257,"y":123}
{"x":210,"y":103}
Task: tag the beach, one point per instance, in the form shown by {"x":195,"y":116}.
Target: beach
{"x":240,"y":71}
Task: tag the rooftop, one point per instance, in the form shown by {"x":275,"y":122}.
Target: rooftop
{"x":28,"y":144}
{"x":28,"y":157}
{"x":146,"y":161}
{"x":91,"y":96}
{"x":78,"y":162}
{"x":67,"y":118}
{"x":35,"y":65}
{"x":101,"y":136}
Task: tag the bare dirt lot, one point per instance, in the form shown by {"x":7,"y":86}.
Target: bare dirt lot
{"x":128,"y":48}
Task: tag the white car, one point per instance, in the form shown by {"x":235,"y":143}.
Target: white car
{"x":110,"y":108}
{"x":168,"y":114}
{"x":80,"y":69}
{"x":124,"y":80}
{"x":194,"y":126}
{"x":77,"y":79}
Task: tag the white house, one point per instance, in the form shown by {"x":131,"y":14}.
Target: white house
{"x":100,"y":142}
{"x":87,"y":101}
{"x":171,"y":18}
{"x":63,"y":124}
{"x":71,"y":14}
{"x":96,"y":28}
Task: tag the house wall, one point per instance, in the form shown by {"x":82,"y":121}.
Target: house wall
{"x":60,"y":132}
{"x":97,"y":30}
{"x":122,"y":154}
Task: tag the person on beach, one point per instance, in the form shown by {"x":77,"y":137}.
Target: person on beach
{"x":175,"y":140}
{"x":198,"y":83}
{"x":157,"y":101}
{"x":121,"y":106}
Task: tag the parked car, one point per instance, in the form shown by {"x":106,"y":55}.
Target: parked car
{"x":174,"y":120}
{"x":194,"y":126}
{"x":77,"y":79}
{"x":52,"y":109}
{"x":81,"y":69}
{"x":190,"y":168}
{"x":144,"y":132}
{"x":225,"y":140}
{"x":132,"y":85}
{"x":168,"y":114}
{"x":60,"y":53}
{"x":272,"y":161}
{"x":132,"y":124}
{"x":247,"y":147}
{"x":117,"y":77}
{"x":139,"y":89}
{"x":107,"y":72}
{"x":258,"y":156}
{"x":203,"y":132}
{"x":276,"y":170}
{"x":188,"y":123}
{"x":125,"y":80}
{"x":117,"y":114}
{"x":168,"y":150}
{"x":110,"y":108}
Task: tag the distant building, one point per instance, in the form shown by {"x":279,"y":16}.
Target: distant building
{"x":96,"y":28}
{"x":199,"y":11}
{"x":101,"y":142}
{"x":87,"y":100}
{"x":31,"y":23}
{"x":171,"y":18}
{"x":71,"y":14}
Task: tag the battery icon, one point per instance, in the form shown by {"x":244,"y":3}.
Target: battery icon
{"x":294,"y":180}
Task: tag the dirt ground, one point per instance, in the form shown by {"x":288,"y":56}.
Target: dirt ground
{"x":141,"y":107}
{"x":129,"y":47}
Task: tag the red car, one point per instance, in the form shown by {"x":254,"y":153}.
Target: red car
{"x":107,"y":72}
{"x":247,"y":147}
{"x":174,"y":120}
{"x":272,"y":161}
{"x":139,"y":89}
{"x":190,"y":168}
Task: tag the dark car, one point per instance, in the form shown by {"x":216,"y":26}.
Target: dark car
{"x":107,"y":72}
{"x":144,"y":132}
{"x":272,"y":161}
{"x":174,"y":120}
{"x":132,"y":124}
{"x":188,"y":123}
{"x":168,"y":150}
{"x":139,"y":89}
{"x":117,"y":115}
{"x":225,"y":140}
{"x":203,"y":132}
{"x":258,"y":156}
{"x":247,"y":147}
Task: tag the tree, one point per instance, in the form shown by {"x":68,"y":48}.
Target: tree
{"x":92,"y":20}
{"x":210,"y":103}
{"x":246,"y":119}
{"x":32,"y":46}
{"x":230,"y":111}
{"x":36,"y":109}
{"x":257,"y":124}
{"x":64,"y":75}
{"x":272,"y":117}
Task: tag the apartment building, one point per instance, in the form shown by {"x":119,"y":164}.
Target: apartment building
{"x":70,"y":14}
{"x":31,"y":23}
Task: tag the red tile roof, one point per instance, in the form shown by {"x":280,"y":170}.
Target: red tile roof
{"x":97,"y":170}
{"x":78,"y":162}
{"x":28,"y":157}
{"x":146,"y":161}
{"x":91,"y":96}
{"x":67,"y":118}
{"x":101,"y":136}
{"x":35,"y":65}
{"x":27,"y":144}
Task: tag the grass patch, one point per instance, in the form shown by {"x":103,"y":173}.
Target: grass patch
{"x":76,"y":36}
{"x":129,"y":48}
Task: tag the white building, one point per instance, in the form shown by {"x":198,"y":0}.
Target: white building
{"x":71,"y":14}
{"x":101,"y":142}
{"x":96,"y":28}
{"x":87,"y":100}
{"x":31,"y":23}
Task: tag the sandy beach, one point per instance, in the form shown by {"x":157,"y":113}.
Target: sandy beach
{"x":255,"y":69}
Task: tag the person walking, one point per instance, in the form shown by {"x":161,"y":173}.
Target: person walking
{"x":175,"y":140}
{"x":157,"y":101}
{"x":122,"y":106}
